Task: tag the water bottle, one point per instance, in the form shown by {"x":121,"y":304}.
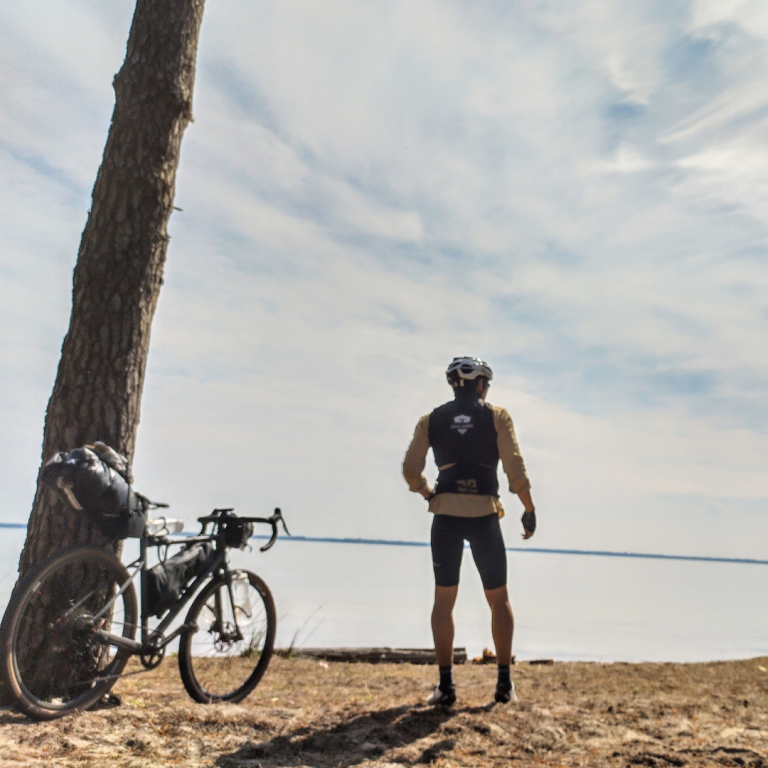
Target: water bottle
{"x":164,"y":526}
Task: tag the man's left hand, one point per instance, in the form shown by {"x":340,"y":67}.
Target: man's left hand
{"x":529,"y":523}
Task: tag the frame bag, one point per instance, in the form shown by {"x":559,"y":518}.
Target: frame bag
{"x":165,"y":582}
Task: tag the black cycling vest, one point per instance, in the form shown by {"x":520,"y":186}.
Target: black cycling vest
{"x":462,"y":433}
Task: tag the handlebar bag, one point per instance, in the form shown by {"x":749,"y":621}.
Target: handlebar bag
{"x":92,"y":486}
{"x":236,"y":532}
{"x":166,"y":581}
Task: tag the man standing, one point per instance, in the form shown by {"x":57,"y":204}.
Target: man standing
{"x":468,"y":437}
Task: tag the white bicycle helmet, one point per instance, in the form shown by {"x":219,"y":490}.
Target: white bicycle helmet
{"x":467,"y":369}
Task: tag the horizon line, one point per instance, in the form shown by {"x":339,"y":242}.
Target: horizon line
{"x":534,"y":550}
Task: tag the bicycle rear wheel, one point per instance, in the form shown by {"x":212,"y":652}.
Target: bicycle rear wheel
{"x":51,"y":659}
{"x":216,"y":662}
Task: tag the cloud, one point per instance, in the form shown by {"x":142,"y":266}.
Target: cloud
{"x":368,"y":190}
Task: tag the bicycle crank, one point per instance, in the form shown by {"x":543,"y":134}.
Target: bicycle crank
{"x":152,"y":656}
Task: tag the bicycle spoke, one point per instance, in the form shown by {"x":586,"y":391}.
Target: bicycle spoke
{"x":58,"y":663}
{"x":225,"y":657}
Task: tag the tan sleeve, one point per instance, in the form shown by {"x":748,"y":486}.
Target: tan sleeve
{"x":509,"y":451}
{"x":416,"y":457}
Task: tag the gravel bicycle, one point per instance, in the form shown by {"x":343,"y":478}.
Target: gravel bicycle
{"x":71,"y":625}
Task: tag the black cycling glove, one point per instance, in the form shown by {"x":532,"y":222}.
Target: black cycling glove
{"x":529,"y":521}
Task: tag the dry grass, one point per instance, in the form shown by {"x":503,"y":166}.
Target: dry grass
{"x":344,"y":715}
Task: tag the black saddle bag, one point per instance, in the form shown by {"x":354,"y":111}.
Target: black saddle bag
{"x":93,"y":485}
{"x":167,"y":580}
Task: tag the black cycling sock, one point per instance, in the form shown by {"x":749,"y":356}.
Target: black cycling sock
{"x":446,"y":679}
{"x":504,"y":680}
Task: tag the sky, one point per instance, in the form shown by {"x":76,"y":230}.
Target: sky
{"x":573,"y":191}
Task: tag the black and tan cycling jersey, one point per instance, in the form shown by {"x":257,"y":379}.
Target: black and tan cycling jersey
{"x":468,"y":437}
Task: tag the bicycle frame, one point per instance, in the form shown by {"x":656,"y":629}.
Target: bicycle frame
{"x":154,"y":641}
{"x":149,"y":638}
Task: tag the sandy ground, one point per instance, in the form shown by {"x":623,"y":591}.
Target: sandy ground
{"x":307,"y":714}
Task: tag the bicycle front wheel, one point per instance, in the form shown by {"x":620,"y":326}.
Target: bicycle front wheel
{"x":52,"y":659}
{"x":226,"y":649}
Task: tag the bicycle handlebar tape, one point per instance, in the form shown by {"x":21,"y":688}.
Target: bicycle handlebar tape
{"x":529,"y":521}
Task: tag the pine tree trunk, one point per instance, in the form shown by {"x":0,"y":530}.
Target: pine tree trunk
{"x":119,"y":267}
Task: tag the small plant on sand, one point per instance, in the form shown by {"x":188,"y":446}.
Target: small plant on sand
{"x":253,"y":649}
{"x":290,"y":650}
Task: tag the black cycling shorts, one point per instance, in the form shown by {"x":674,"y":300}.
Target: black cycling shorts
{"x":485,"y":540}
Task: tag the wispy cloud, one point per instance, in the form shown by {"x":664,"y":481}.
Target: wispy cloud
{"x":574,"y":191}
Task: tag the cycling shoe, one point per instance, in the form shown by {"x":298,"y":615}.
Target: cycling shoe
{"x":443,"y":698}
{"x":504,"y":695}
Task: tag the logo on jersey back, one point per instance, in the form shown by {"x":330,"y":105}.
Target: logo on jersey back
{"x":462,"y":423}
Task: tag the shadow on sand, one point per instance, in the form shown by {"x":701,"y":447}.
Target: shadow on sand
{"x":365,"y":737}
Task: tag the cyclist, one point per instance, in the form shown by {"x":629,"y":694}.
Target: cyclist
{"x":468,"y":437}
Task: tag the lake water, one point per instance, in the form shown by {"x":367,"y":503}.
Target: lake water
{"x":566,"y":607}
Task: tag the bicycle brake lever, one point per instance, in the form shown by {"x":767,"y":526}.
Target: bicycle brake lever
{"x":279,"y":516}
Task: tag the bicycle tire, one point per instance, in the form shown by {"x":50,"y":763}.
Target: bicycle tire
{"x":215,"y":666}
{"x":51,"y":661}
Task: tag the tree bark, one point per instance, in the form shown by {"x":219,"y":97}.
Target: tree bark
{"x":119,"y":267}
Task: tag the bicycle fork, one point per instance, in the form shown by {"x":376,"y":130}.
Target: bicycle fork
{"x":219,"y":624}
